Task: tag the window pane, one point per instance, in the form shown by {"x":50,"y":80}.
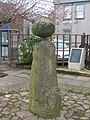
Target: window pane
{"x":5,"y":51}
{"x":80,"y":7}
{"x":67,"y":11}
{"x":79,"y":11}
{"x":80,"y":15}
{"x":4,"y":38}
{"x":66,"y":36}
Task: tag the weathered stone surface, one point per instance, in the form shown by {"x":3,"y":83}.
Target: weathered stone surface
{"x":23,"y":114}
{"x":4,"y":118}
{"x":8,"y":95}
{"x":43,"y":91}
{"x":84,"y":118}
{"x":30,"y":118}
{"x":86,"y":106}
{"x":15,"y":118}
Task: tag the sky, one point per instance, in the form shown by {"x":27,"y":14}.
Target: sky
{"x":43,"y":7}
{"x":46,"y":5}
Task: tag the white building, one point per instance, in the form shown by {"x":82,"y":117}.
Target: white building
{"x":72,"y":16}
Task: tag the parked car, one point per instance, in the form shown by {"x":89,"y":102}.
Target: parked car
{"x":59,"y":51}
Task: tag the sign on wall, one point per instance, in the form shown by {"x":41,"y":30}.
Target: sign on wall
{"x":5,"y":27}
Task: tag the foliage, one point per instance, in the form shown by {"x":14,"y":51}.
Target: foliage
{"x":43,"y":28}
{"x":26,"y":49}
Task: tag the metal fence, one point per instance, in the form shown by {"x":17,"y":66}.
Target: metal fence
{"x":85,"y":43}
{"x":71,"y":40}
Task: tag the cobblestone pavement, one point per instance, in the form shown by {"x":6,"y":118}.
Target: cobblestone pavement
{"x":14,"y":103}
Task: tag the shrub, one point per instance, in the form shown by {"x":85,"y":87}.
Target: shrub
{"x":26,"y":49}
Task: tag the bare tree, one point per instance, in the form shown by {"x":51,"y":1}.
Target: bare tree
{"x":42,"y":9}
{"x":14,"y":11}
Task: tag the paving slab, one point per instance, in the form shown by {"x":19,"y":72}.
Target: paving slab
{"x":86,"y":84}
{"x":63,"y":80}
{"x":75,"y":83}
{"x":14,"y":79}
{"x":66,"y":76}
{"x":21,"y":76}
{"x":82,"y":78}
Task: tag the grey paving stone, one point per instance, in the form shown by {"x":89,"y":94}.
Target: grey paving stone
{"x":11,"y":82}
{"x":63,"y":80}
{"x":4,"y":118}
{"x":41,"y":119}
{"x":23,"y":75}
{"x":60,"y":75}
{"x":61,"y":118}
{"x":86,"y":84}
{"x":76,"y":82}
{"x":82,"y":78}
{"x":15,"y":118}
{"x":23,"y":114}
{"x":66,"y":76}
{"x":31,"y":118}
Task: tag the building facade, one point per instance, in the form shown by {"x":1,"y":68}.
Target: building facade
{"x":72,"y":16}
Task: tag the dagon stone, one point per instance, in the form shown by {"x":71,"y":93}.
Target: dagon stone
{"x":44,"y":98}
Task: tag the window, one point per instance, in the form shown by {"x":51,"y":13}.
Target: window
{"x":4,"y":51}
{"x":66,"y":36}
{"x":80,"y":11}
{"x":67,"y":12}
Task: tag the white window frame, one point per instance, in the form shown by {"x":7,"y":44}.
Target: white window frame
{"x":80,"y":11}
{"x":68,"y":12}
{"x":67,"y":32}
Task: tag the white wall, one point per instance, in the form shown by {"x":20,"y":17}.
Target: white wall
{"x":77,"y":26}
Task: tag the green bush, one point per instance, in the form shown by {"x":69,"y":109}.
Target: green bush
{"x":26,"y":49}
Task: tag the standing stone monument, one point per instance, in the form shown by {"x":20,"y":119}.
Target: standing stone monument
{"x":44,"y":99}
